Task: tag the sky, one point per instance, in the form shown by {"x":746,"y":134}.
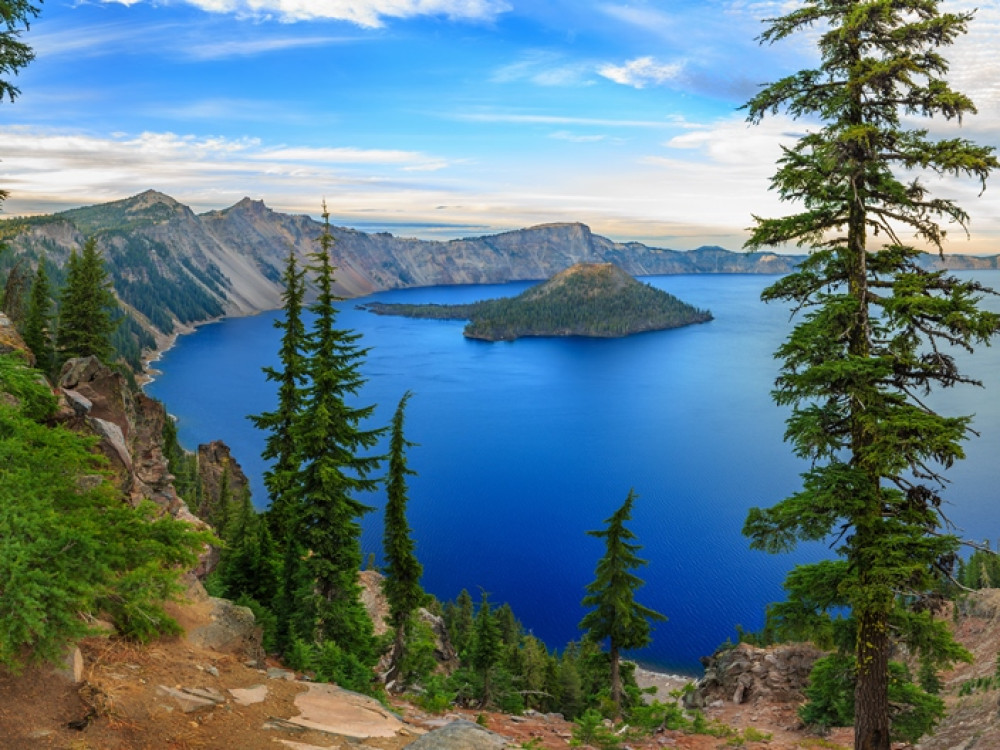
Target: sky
{"x":437,"y":118}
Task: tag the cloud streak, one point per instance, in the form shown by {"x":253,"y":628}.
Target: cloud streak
{"x":364,"y":13}
{"x":642,"y":72}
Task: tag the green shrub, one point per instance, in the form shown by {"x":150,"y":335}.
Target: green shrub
{"x":589,"y":729}
{"x":70,"y":544}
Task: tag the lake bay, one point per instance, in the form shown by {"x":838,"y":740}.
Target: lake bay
{"x":524,"y":446}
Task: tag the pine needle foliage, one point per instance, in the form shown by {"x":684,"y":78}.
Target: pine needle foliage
{"x":86,"y":305}
{"x":617,"y":617}
{"x":70,"y":548}
{"x":876,"y":332}
{"x":280,"y":446}
{"x":38,"y":320}
{"x":331,"y":443}
{"x":402,"y":570}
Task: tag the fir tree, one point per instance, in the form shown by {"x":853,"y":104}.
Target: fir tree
{"x":617,"y":616}
{"x":877,"y":329}
{"x":281,"y":448}
{"x":403,"y":570}
{"x":333,"y":471}
{"x":85,"y":307}
{"x":486,"y":647}
{"x":38,"y":321}
{"x":459,"y":618}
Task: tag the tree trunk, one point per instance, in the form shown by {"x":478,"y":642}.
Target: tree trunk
{"x":395,"y":658}
{"x":871,"y":692}
{"x":616,"y":680}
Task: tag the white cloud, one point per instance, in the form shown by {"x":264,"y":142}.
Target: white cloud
{"x":647,"y":19}
{"x":366,"y":13}
{"x":543,"y":69}
{"x":220,"y":50}
{"x":565,"y":135}
{"x":642,"y":72}
{"x":515,"y":118}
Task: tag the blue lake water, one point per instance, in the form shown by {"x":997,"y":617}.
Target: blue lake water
{"x":524,"y":446}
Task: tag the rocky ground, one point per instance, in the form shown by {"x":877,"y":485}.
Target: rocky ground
{"x":203,"y":691}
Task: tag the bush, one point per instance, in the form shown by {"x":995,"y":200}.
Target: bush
{"x":589,"y":729}
{"x":70,"y":545}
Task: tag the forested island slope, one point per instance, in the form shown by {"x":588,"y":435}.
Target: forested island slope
{"x":587,"y":299}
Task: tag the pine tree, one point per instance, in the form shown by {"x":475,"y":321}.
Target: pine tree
{"x":38,"y":321}
{"x":459,"y":620}
{"x":486,"y":647}
{"x":85,"y":307}
{"x":333,"y":471}
{"x":877,"y":329}
{"x":617,"y":616}
{"x":14,"y":54}
{"x":281,"y":448}
{"x":403,"y":570}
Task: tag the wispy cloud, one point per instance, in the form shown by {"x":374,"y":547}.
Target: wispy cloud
{"x":516,"y":118}
{"x":410,"y":159}
{"x":565,"y":135}
{"x":220,"y":50}
{"x":72,"y":166}
{"x":649,"y":19}
{"x":544,"y":69}
{"x":100,"y":39}
{"x":642,"y":72}
{"x":365,"y":13}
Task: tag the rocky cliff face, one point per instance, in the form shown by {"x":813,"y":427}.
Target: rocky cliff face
{"x":748,"y":674}
{"x":129,"y":427}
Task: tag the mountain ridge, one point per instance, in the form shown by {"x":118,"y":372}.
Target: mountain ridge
{"x":173,"y":268}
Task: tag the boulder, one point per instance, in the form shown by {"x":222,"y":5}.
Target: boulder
{"x":745,"y":673}
{"x":11,"y":341}
{"x":231,"y":629}
{"x":461,"y":735}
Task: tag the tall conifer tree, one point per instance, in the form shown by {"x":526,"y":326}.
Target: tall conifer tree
{"x":280,"y":446}
{"x":877,"y":330}
{"x":617,"y":616}
{"x":403,"y":570}
{"x":282,"y":450}
{"x":86,"y":305}
{"x":38,"y":321}
{"x":333,"y":470}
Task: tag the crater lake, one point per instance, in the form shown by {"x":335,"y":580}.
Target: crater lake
{"x":522,"y":447}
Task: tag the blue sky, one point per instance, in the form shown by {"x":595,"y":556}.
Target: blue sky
{"x":433,"y":118}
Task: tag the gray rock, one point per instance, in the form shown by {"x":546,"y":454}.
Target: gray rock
{"x":80,"y":404}
{"x":232,"y":630}
{"x":190,"y":700}
{"x":461,"y":735}
{"x":249,"y":696}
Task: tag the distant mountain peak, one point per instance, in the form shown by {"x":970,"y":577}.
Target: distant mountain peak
{"x":248,"y":205}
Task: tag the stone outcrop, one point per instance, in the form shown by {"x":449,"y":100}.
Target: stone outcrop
{"x":215,"y":460}
{"x":11,"y":341}
{"x":461,"y":735}
{"x":129,"y":427}
{"x":220,"y":625}
{"x":748,"y":674}
{"x":377,"y":606}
